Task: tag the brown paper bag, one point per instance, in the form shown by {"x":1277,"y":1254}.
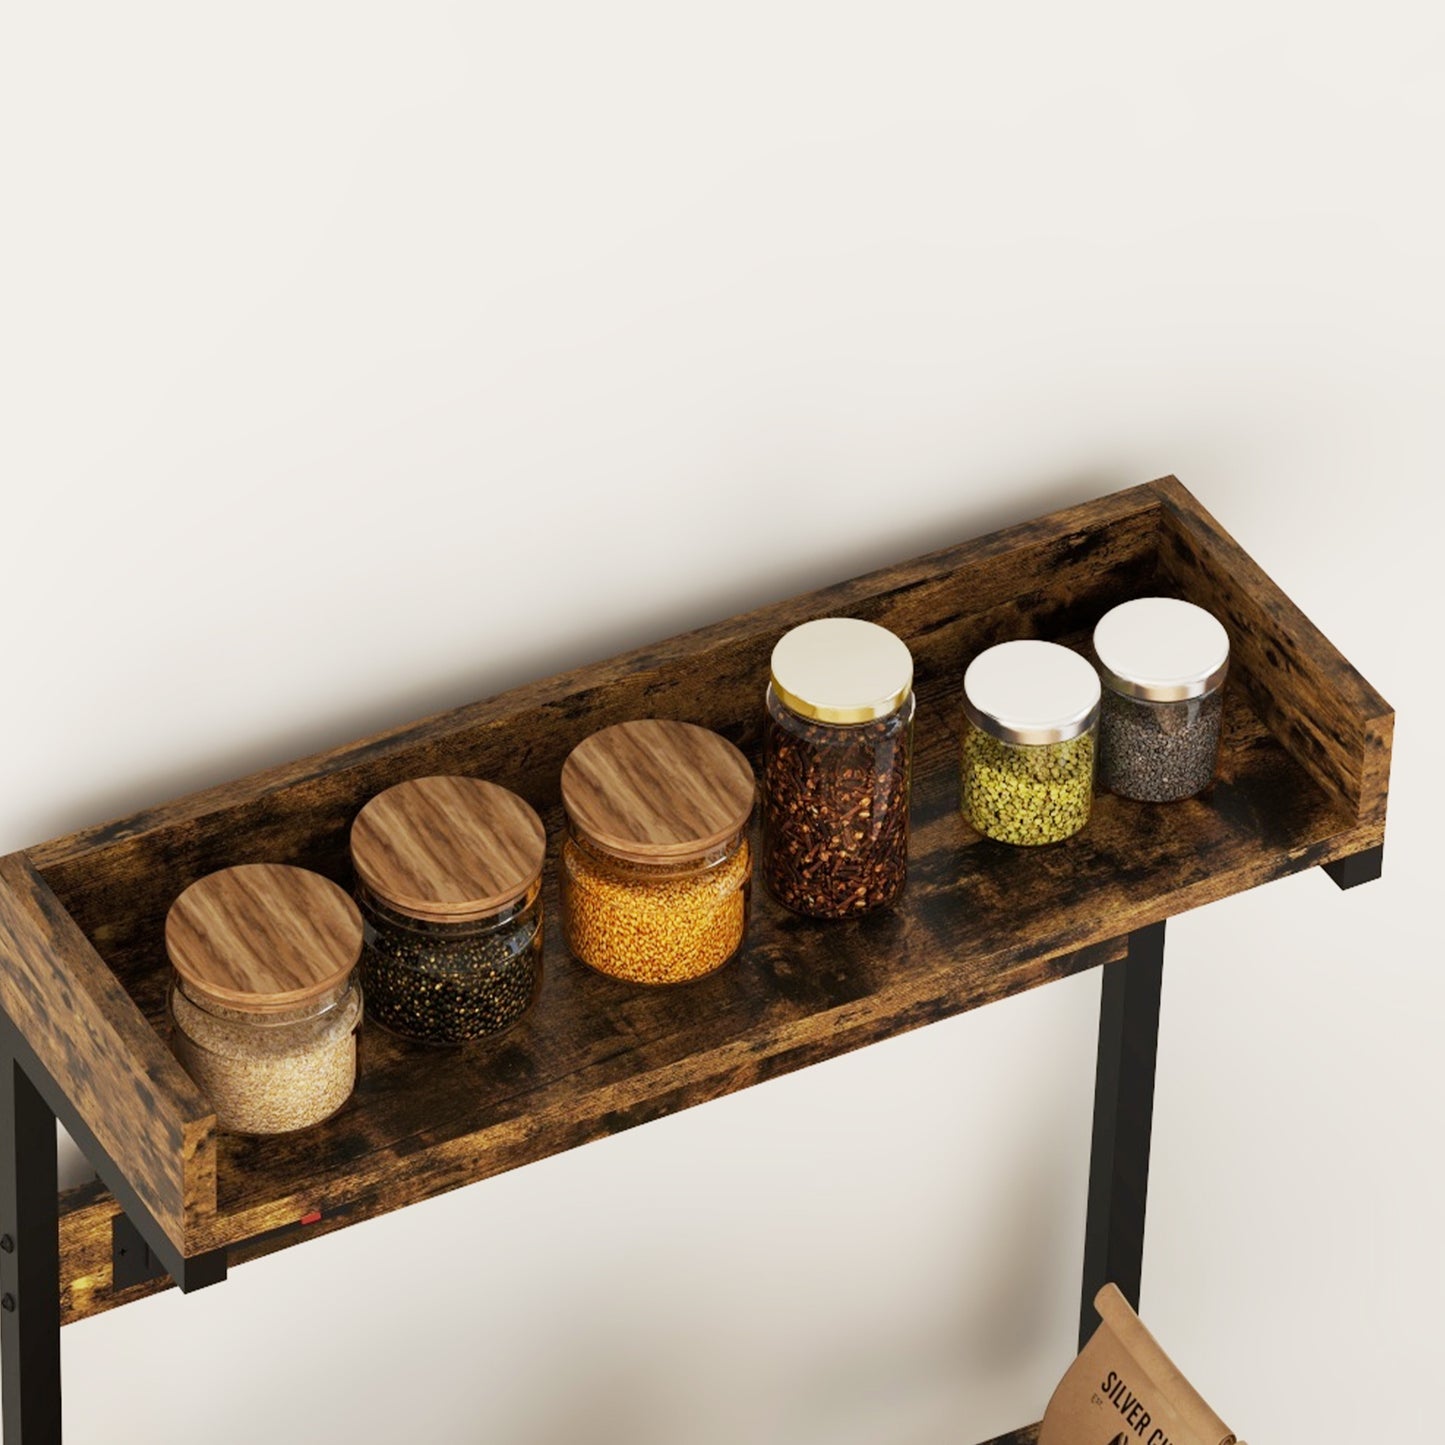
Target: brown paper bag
{"x":1124,"y":1390}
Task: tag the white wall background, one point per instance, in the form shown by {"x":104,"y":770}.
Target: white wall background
{"x":363,"y":359}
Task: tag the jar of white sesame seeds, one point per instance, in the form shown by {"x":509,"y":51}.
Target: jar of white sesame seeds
{"x":263,"y":1004}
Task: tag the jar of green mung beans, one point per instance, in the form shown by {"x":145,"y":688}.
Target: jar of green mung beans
{"x":1031,"y":716}
{"x":448,"y":878}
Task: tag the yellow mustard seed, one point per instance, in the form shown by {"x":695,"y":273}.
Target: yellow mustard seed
{"x":654,"y":923}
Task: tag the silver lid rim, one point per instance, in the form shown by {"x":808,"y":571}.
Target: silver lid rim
{"x":1164,"y":691}
{"x":1023,"y":736}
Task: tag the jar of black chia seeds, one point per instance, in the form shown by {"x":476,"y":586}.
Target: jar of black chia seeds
{"x":1031,"y":715}
{"x":448,"y":875}
{"x":837,"y":746}
{"x":1163,"y":663}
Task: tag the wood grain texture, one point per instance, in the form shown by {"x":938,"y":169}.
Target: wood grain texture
{"x":1323,"y":711}
{"x":263,"y":936}
{"x":980,"y":921}
{"x":657,"y":789}
{"x":448,"y":848}
{"x":152,"y":1121}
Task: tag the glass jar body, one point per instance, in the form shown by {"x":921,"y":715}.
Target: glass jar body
{"x":268,"y":1073}
{"x":450,"y":982}
{"x":654,"y":923}
{"x":1159,"y":752}
{"x":1027,"y":794}
{"x":835,"y":810}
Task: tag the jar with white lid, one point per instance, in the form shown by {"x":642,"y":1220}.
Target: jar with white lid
{"x":837,"y":747}
{"x":1163,"y":663}
{"x":264,"y":1006}
{"x":1031,"y":714}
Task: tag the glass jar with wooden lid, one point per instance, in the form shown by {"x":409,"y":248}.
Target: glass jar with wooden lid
{"x":656,"y":868}
{"x":837,"y":744}
{"x":264,"y":1005}
{"x":448,"y":876}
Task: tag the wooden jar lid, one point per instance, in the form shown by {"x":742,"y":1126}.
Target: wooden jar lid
{"x":448,"y":849}
{"x":653,"y":790}
{"x":263,"y":937}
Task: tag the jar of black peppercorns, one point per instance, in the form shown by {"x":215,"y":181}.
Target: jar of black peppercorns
{"x":836,"y":747}
{"x":448,"y":877}
{"x":1163,"y":662}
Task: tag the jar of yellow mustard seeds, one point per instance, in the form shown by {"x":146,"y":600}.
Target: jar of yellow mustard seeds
{"x":656,"y":868}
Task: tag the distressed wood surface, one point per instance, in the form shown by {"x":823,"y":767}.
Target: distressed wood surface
{"x":979,"y":921}
{"x":1319,"y":706}
{"x":152,"y":1121}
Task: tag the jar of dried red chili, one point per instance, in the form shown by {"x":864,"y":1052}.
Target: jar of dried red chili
{"x":836,"y":747}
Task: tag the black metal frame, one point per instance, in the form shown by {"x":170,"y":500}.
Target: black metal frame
{"x":31,"y":1101}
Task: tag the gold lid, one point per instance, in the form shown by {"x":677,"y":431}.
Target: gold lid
{"x":842,"y":670}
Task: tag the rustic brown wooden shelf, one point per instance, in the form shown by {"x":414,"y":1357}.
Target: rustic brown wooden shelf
{"x":1302,"y":783}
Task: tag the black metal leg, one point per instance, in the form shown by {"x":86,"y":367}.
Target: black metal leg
{"x":1358,"y":868}
{"x":29,"y":1262}
{"x":1123,"y":1118}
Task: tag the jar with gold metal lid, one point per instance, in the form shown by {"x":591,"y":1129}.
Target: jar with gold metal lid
{"x":263,"y":1003}
{"x":448,"y":876}
{"x":656,"y":868}
{"x":837,"y":745}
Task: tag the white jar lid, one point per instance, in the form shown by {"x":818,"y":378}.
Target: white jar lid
{"x":842,"y":670}
{"x":1161,"y":649}
{"x":1031,"y":693}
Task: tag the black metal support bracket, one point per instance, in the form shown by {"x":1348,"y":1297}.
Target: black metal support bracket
{"x":1123,"y":1122}
{"x":29,"y":1261}
{"x":1358,"y":868}
{"x":31,"y":1101}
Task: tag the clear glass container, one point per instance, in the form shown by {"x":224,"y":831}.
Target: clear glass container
{"x":1163,"y":663}
{"x":450,"y":982}
{"x":657,"y":922}
{"x":268,"y":1072}
{"x":837,"y":749}
{"x":448,"y":880}
{"x":1031,"y":712}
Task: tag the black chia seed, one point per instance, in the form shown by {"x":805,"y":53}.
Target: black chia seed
{"x":442,"y":983}
{"x":1159,"y":752}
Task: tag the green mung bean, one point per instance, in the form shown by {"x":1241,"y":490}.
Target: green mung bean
{"x":1027,"y":794}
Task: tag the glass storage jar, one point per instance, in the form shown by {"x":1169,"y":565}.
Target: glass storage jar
{"x":1163,"y":663}
{"x":264,"y":1006}
{"x":656,"y":869}
{"x":448,"y":874}
{"x":1031,"y":712}
{"x":837,"y":743}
